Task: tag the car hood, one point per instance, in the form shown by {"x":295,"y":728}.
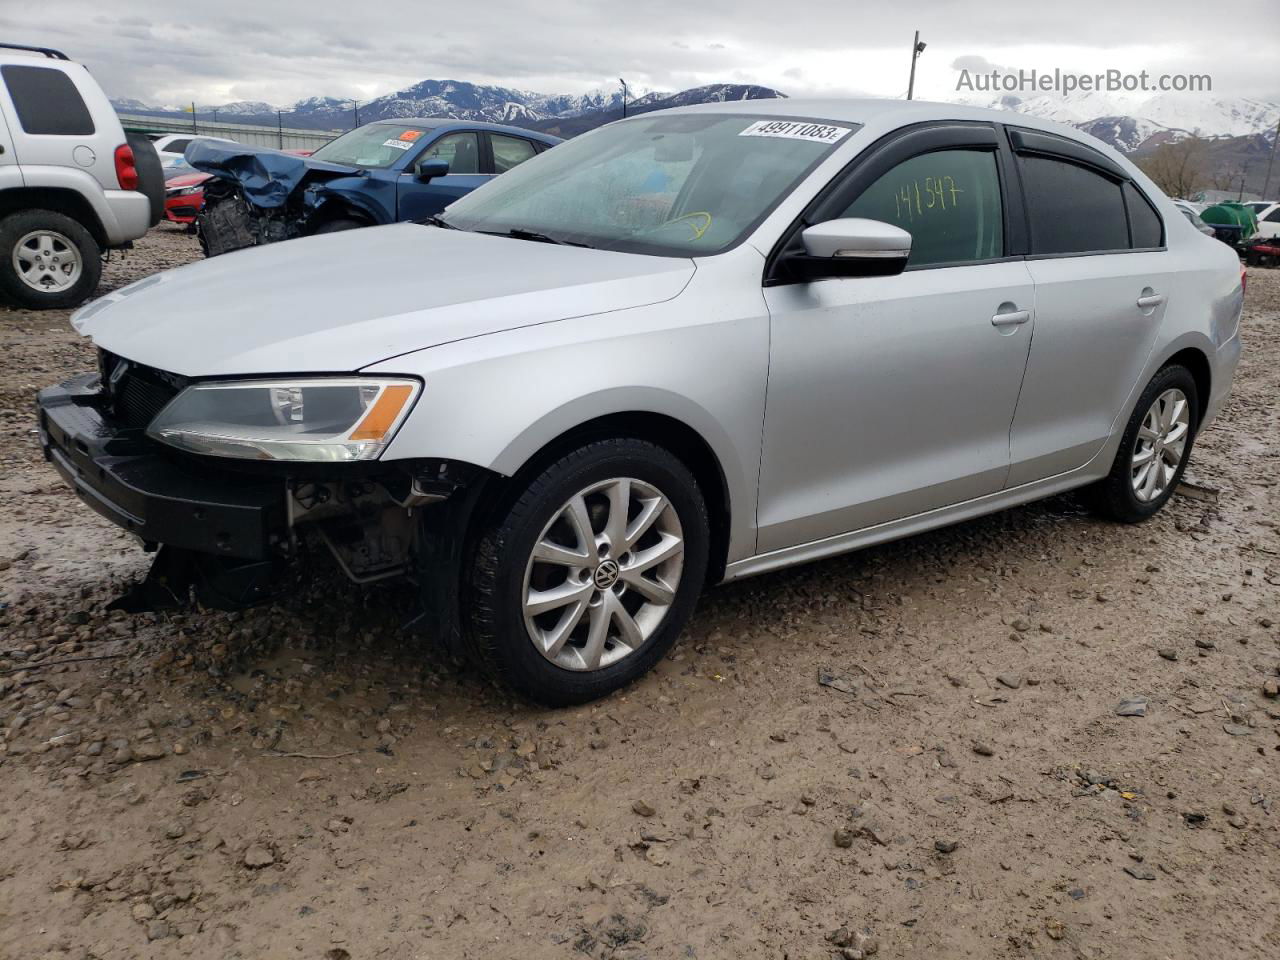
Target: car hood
{"x":267,"y":177}
{"x":341,"y":301}
{"x":186,"y":180}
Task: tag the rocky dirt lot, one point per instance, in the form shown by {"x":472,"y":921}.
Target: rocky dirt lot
{"x":912,"y":751}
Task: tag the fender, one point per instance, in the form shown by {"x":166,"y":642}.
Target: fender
{"x":602,"y":403}
{"x":375,"y":199}
{"x":1100,"y":462}
{"x":739,"y":493}
{"x":477,"y":407}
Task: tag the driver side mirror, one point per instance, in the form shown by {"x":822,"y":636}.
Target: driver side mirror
{"x":425,"y":170}
{"x":851,"y":247}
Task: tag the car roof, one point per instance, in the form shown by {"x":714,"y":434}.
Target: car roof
{"x":445,"y":123}
{"x":883,"y":113}
{"x":170,"y":137}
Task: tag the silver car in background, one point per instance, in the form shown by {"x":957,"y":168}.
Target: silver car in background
{"x":692,"y":346}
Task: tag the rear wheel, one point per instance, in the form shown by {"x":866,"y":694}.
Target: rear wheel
{"x":1155,"y":448}
{"x":47,"y":260}
{"x":582,"y":584}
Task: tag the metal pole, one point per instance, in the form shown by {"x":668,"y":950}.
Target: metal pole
{"x":915,"y":52}
{"x":356,"y":104}
{"x":624,"y":97}
{"x":1267,"y":185}
{"x":280,"y":128}
{"x":1240,"y":195}
{"x":193,"y":118}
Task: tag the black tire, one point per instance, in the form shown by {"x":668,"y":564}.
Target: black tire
{"x":150,"y":174}
{"x":494,"y":584}
{"x":15,"y":227}
{"x":335,"y":226}
{"x":1114,"y":497}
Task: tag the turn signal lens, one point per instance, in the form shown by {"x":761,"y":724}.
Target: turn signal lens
{"x":386,"y":411}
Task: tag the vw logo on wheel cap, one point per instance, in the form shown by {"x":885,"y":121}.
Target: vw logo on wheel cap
{"x":606,"y":575}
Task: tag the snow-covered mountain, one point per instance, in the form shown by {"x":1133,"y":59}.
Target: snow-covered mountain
{"x":241,"y":108}
{"x":455,"y":99}
{"x":1210,"y":116}
{"x":1128,"y":133}
{"x":1128,"y":122}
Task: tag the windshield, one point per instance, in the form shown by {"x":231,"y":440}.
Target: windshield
{"x":374,"y":146}
{"x":673,"y":185}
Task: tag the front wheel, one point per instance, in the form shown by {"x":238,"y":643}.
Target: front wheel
{"x":337,"y":226}
{"x":582,"y":583}
{"x":1155,"y":448}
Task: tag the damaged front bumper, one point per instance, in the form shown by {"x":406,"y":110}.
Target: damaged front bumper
{"x":122,"y":475}
{"x":238,"y":538}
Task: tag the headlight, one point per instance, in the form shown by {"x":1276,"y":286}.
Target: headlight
{"x":184,"y":191}
{"x":323,"y":419}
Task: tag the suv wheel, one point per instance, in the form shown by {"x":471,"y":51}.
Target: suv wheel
{"x":1155,"y":448}
{"x":47,"y":260}
{"x":585,"y":581}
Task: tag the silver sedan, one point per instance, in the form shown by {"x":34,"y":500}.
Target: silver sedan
{"x":689,"y":347}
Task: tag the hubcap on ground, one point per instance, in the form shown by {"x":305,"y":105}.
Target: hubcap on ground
{"x":603,"y":574}
{"x":47,"y":261}
{"x":1161,"y":443}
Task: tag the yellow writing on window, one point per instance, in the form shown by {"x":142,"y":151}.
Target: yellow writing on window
{"x":918,"y":198}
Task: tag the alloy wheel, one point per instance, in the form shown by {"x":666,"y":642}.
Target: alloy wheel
{"x":603,"y":574}
{"x":47,"y":261}
{"x":1160,"y":445}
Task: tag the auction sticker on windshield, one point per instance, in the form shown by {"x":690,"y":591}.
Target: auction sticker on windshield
{"x":796,"y":130}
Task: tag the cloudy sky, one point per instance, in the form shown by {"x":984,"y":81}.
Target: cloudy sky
{"x":282,"y":50}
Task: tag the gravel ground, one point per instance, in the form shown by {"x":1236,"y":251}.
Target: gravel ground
{"x":310,"y":780}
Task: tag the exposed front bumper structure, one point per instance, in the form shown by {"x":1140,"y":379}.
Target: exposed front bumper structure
{"x":232,"y":536}
{"x":122,"y":475}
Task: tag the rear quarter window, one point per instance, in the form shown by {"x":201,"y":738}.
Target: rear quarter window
{"x":1072,"y":208}
{"x":46,"y":101}
{"x":1144,"y":222}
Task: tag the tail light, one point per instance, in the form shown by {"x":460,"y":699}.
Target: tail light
{"x":126,"y":171}
{"x":1244,"y":278}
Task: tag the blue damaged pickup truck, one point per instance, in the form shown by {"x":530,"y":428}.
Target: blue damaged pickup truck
{"x":379,"y":173}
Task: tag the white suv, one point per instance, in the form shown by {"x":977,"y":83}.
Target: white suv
{"x":71,"y":183}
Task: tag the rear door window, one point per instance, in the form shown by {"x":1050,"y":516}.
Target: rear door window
{"x":178,"y":146}
{"x":948,"y":200}
{"x":46,"y":101}
{"x":509,"y":152}
{"x":1072,"y":208}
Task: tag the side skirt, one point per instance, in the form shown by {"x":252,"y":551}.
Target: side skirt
{"x":919,"y":523}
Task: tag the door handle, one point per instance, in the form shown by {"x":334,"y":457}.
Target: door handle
{"x":1011,"y":319}
{"x":1154,"y":300}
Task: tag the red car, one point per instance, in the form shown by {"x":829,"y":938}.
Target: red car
{"x":184,"y":195}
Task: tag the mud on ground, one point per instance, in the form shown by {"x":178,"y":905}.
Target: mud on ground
{"x":310,"y":780}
